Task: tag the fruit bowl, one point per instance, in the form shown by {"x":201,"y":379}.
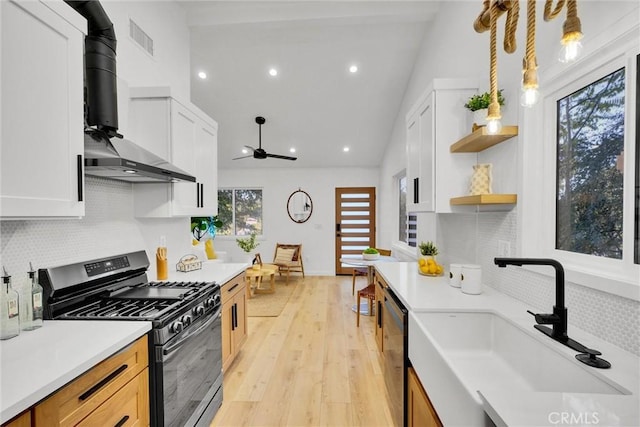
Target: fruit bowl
{"x":429,"y":267}
{"x":370,"y":257}
{"x":430,"y":274}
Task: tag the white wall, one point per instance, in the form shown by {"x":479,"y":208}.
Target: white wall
{"x":474,"y":237}
{"x":317,"y":235}
{"x":166,"y":23}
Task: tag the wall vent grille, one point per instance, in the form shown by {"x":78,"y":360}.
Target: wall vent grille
{"x":140,"y":37}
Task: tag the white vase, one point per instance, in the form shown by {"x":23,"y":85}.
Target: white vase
{"x":480,"y":117}
{"x":481,"y":179}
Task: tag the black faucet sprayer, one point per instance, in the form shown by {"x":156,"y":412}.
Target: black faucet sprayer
{"x":558,"y":319}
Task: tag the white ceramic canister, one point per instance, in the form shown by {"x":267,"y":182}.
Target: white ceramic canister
{"x":471,"y":279}
{"x":455,"y":274}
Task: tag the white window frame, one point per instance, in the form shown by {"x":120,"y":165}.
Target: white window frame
{"x":537,"y":207}
{"x":234,"y":236}
{"x":399,"y":246}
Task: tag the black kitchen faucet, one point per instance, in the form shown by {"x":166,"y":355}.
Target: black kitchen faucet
{"x":557,"y":319}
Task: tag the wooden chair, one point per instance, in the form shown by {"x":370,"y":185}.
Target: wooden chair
{"x":368,"y":292}
{"x":288,"y":258}
{"x":364,"y":271}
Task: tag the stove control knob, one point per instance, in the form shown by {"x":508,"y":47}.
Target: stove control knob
{"x":198,"y":311}
{"x":210,"y":302}
{"x":176,"y":327}
{"x":186,"y":320}
{"x":216,"y":299}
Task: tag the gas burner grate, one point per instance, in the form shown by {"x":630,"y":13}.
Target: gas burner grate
{"x":199,"y":285}
{"x":123,"y":309}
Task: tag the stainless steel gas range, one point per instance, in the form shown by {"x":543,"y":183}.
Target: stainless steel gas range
{"x":185,"y":354}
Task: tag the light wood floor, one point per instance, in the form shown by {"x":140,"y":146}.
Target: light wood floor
{"x":311,"y":366}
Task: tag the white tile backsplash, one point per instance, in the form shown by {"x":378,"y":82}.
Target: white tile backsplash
{"x":607,"y":316}
{"x":107,"y":228}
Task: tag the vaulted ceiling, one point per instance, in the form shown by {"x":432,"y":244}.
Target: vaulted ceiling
{"x":314,"y":103}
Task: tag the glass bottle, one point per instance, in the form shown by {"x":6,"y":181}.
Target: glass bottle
{"x":9,"y":311}
{"x":32,"y":303}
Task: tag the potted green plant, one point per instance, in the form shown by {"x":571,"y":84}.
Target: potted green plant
{"x":479,"y":104}
{"x":370,"y":254}
{"x":248,"y":244}
{"x":427,"y":264}
{"x":428,"y":249}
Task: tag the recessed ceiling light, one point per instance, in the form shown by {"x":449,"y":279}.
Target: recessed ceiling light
{"x":353,"y":69}
{"x":292,"y":150}
{"x":202,"y":75}
{"x":245,"y":151}
{"x":273,"y":72}
{"x":129,"y":171}
{"x":345,"y":149}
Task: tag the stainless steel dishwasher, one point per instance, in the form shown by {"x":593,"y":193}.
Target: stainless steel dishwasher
{"x":395,"y":345}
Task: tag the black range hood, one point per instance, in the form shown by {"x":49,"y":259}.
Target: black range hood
{"x":107,"y":154}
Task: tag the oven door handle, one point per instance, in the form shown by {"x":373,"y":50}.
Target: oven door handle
{"x":167,"y":351}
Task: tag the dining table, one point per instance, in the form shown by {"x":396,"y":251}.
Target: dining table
{"x":359,"y":261}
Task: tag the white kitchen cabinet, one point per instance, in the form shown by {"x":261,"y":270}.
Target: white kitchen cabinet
{"x":42,"y":139}
{"x":186,"y":137}
{"x":436,"y":120}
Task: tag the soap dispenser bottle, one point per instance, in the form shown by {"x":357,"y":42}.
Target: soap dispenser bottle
{"x":9,"y":311}
{"x":32,"y":303}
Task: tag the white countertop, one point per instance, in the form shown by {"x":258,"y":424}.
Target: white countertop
{"x":420,"y":293}
{"x":219,"y":272}
{"x":36,"y":363}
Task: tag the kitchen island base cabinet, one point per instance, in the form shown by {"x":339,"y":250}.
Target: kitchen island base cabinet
{"x":234,"y":318}
{"x":114,"y":392}
{"x":22,"y":420}
{"x":420,"y":412}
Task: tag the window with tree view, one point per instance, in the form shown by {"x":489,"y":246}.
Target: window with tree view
{"x":590,"y":164}
{"x":240,"y":211}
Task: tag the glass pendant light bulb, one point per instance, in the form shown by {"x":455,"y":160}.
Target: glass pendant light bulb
{"x":494,"y":126}
{"x":530,"y":96}
{"x":570,"y":51}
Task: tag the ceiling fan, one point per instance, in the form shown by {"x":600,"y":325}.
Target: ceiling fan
{"x":259,"y":153}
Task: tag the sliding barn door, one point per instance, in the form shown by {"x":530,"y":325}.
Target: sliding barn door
{"x":355,"y":223}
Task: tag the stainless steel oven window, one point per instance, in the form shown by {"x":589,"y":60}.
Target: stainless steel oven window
{"x":191,"y":364}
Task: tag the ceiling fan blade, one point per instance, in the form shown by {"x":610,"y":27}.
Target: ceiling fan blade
{"x":243,"y":157}
{"x":260,"y":153}
{"x":278,"y":156}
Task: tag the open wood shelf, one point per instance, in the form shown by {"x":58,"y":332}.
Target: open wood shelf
{"x":486,"y":199}
{"x":480,"y":140}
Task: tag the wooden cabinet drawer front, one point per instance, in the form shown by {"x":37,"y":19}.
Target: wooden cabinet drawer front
{"x":76,"y":400}
{"x":380,"y":282}
{"x":232,"y":287}
{"x":128,"y":407}
{"x":22,"y":420}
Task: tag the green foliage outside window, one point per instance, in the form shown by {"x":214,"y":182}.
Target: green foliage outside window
{"x":590,"y":143}
{"x":241,"y":211}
